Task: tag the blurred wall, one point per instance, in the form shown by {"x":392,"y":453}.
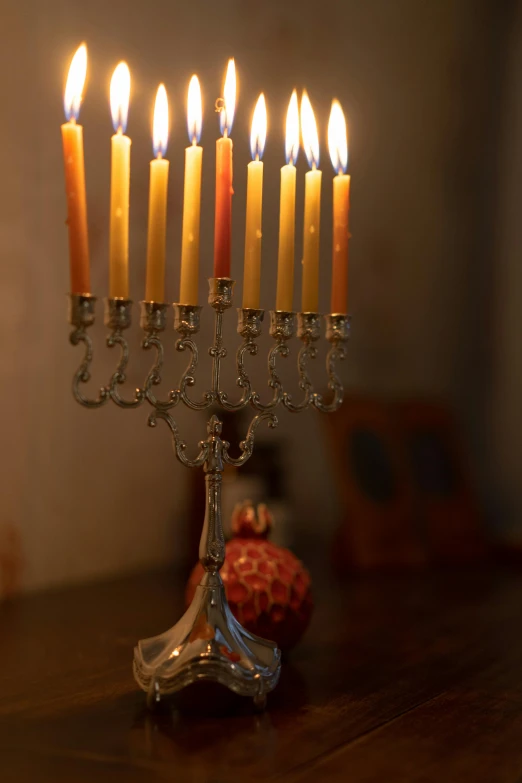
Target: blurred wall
{"x":504,"y":449}
{"x":97,"y":492}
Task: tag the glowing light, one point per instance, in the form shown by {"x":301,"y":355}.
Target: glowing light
{"x":292,"y":130}
{"x":228,"y":109}
{"x":120,"y":94}
{"x":338,"y":138}
{"x":160,"y":124}
{"x":258,"y":132}
{"x":194,"y":111}
{"x":72,"y":98}
{"x":309,"y":131}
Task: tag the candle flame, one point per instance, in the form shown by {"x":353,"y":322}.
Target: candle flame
{"x":292,"y":130}
{"x":160,"y":124}
{"x":120,"y":94}
{"x":72,"y":98}
{"x":258,"y":132}
{"x":194,"y":111}
{"x":337,"y":138}
{"x":226,"y":118}
{"x":309,"y":131}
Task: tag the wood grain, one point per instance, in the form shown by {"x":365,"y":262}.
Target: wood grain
{"x":415,"y":678}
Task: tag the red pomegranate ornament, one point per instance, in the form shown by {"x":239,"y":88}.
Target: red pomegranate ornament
{"x":267,"y":587}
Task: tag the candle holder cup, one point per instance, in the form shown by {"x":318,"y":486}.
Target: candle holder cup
{"x":208,"y":643}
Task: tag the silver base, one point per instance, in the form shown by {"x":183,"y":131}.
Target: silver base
{"x":207,"y":643}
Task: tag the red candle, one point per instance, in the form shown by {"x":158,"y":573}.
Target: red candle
{"x":223,"y":225}
{"x":338,"y":144}
{"x":224,"y":189}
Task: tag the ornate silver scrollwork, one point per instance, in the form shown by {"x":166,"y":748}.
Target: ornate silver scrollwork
{"x":81,"y":316}
{"x":282,"y":329}
{"x":308,"y":331}
{"x":337,"y":334}
{"x":118,"y":318}
{"x":179,"y":444}
{"x":208,"y":642}
{"x":153,"y":322}
{"x":249,"y":326}
{"x":247,"y":445}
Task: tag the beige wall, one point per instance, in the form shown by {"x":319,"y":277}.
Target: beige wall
{"x":96,"y":492}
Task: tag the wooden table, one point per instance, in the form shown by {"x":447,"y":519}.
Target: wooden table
{"x":399,"y":679}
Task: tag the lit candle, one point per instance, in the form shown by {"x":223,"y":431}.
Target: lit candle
{"x":254,"y":208}
{"x":72,"y":138}
{"x":120,"y":181}
{"x":159,"y":179}
{"x":191,"y":199}
{"x":223,"y":220}
{"x":312,"y":210}
{"x":338,"y":146}
{"x":285,"y":262}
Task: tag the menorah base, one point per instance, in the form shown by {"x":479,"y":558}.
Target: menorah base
{"x":207,"y":643}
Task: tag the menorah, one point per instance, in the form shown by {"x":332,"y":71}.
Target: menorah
{"x":208,"y":643}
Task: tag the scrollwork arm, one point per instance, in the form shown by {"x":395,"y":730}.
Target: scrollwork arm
{"x":155,"y":375}
{"x":279,"y":349}
{"x":247,"y":445}
{"x":305,"y":384}
{"x":243,"y":381}
{"x":83,"y":373}
{"x":178,"y":443}
{"x":188,"y":378}
{"x":337,"y":334}
{"x":119,"y":377}
{"x":335,"y":354}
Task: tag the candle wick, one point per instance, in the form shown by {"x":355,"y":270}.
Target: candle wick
{"x":257,"y":156}
{"x":314,"y":165}
{"x":225,"y":132}
{"x":159,"y":156}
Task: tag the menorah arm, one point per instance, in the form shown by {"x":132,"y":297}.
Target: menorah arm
{"x":178,"y":443}
{"x":83,"y":373}
{"x":155,"y":375}
{"x":188,"y":378}
{"x":305,"y":384}
{"x":337,"y":334}
{"x":282,"y":329}
{"x":308,"y":331}
{"x":335,"y":354}
{"x":119,"y":377}
{"x":247,"y":445}
{"x":279,"y":349}
{"x":243,"y":381}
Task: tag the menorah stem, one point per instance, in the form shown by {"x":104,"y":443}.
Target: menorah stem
{"x":220,"y":298}
{"x":217,"y":351}
{"x":208,"y":642}
{"x":212,"y":544}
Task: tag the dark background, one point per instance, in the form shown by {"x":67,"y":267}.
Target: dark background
{"x":433,"y":96}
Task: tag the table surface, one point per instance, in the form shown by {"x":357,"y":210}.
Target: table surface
{"x":410,"y":678}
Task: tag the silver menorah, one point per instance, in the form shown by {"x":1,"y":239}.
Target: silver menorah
{"x":208,"y":643}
